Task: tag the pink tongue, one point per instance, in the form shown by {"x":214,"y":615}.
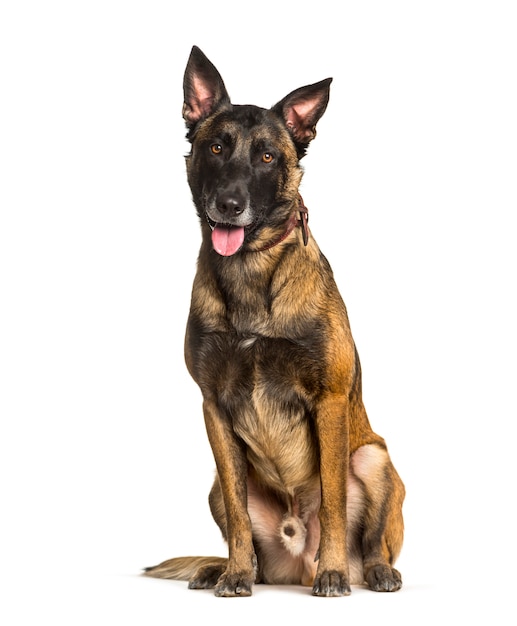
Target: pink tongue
{"x":227,"y":239}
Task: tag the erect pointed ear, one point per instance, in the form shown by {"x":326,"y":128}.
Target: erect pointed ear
{"x":302,"y":109}
{"x":203,"y":88}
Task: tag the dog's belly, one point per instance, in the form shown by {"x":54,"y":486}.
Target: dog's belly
{"x":279,"y":440}
{"x":260,"y":386}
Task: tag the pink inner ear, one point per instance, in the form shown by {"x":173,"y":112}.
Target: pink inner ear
{"x":201,"y":103}
{"x":199,"y":87}
{"x":298,"y":117}
{"x":303,"y":109}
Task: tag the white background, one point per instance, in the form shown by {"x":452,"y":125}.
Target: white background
{"x":411,"y":186}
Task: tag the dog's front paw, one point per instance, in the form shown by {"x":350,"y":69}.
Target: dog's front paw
{"x":331,"y":584}
{"x":384,"y":578}
{"x":234,"y":585}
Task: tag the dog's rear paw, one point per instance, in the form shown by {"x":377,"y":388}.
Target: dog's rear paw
{"x":206,"y":577}
{"x":331,"y":584}
{"x":234,"y":585}
{"x":384,"y":578}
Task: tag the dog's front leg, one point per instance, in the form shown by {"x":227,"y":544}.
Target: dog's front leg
{"x":332,"y":427}
{"x":232,"y":468}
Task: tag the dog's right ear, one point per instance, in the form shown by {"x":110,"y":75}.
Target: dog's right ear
{"x":203,"y":88}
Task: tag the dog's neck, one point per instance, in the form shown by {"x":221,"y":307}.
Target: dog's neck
{"x":292,"y":223}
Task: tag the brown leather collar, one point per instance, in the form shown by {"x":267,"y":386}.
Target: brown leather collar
{"x":291,"y":224}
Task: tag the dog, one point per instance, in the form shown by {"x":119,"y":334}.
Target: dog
{"x":305,"y":492}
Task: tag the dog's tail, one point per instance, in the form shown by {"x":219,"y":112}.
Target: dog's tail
{"x":186,"y":567}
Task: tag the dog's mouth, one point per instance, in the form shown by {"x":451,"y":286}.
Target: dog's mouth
{"x":227,"y":239}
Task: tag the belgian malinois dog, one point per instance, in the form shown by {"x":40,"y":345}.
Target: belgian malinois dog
{"x":305,"y":492}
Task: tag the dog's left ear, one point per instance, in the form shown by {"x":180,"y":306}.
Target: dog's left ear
{"x":302,"y":109}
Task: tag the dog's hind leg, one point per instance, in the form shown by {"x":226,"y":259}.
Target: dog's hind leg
{"x":383,"y":527}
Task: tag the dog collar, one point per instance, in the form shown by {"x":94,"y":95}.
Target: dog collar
{"x":292,"y":223}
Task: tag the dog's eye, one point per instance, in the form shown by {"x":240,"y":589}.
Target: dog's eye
{"x":267,"y":157}
{"x":216,"y":148}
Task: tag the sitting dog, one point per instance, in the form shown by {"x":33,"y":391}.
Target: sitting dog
{"x":305,"y":491}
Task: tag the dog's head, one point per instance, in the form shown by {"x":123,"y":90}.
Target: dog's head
{"x":243,"y":168}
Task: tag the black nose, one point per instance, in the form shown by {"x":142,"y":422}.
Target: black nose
{"x":230,"y":203}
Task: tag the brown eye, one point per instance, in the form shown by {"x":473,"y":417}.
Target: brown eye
{"x":267,"y":157}
{"x":216,"y":148}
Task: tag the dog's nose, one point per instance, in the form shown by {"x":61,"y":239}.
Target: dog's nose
{"x":230,"y":203}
